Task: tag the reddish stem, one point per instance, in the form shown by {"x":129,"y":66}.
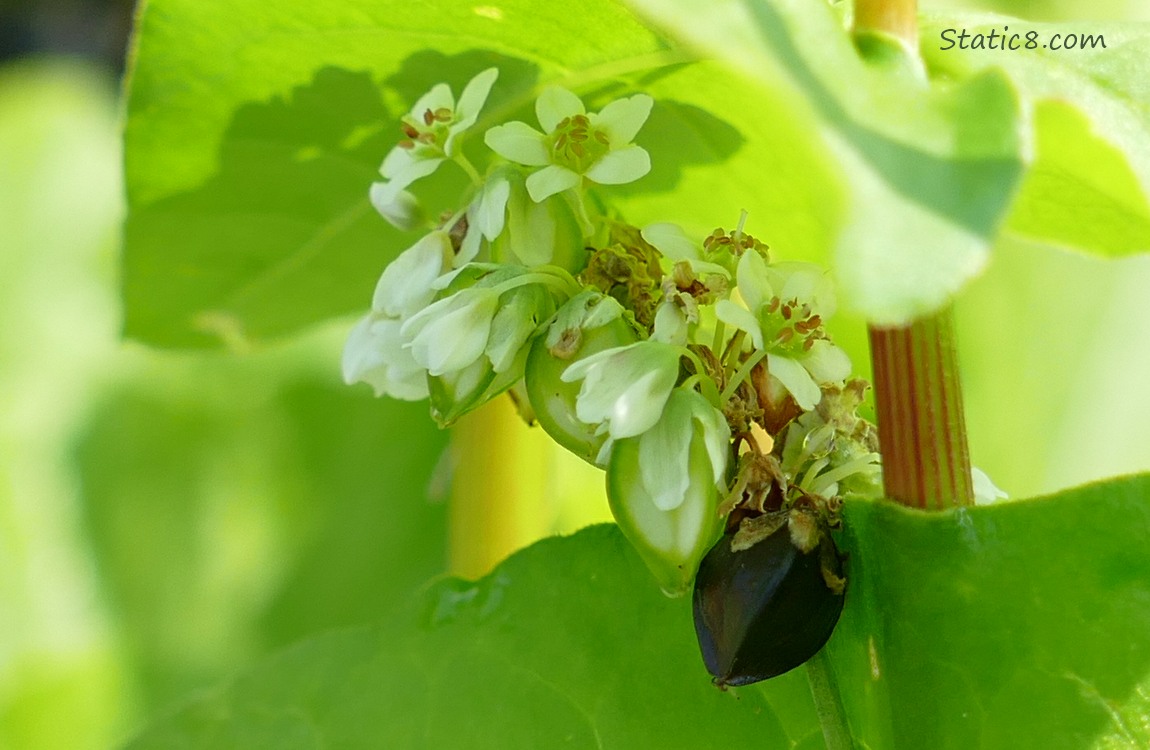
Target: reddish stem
{"x":918,"y":396}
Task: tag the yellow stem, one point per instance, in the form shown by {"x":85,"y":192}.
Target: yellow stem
{"x":499,"y":497}
{"x":898,"y":18}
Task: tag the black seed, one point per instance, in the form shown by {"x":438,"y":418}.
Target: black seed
{"x":765,"y":610}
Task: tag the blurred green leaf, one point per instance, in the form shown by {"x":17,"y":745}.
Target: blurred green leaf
{"x":1089,"y":186}
{"x":1053,"y":369}
{"x":59,"y":216}
{"x":567,"y":643}
{"x":255,"y":130}
{"x":248,"y":180}
{"x":1030,"y":627}
{"x":230,"y":519}
{"x":929,"y":171}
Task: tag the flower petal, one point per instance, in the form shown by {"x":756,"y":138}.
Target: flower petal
{"x":486,"y":216}
{"x":397,"y":160}
{"x":550,"y":180}
{"x":626,"y":389}
{"x":438,"y":98}
{"x":985,"y":491}
{"x":826,"y":362}
{"x":515,"y":324}
{"x":753,"y":280}
{"x":518,"y":142}
{"x":473,"y":98}
{"x":796,"y":380}
{"x":469,"y":248}
{"x":400,"y":208}
{"x":638,"y":408}
{"x":622,"y":118}
{"x":555,"y":104}
{"x":716,"y":435}
{"x":493,"y":207}
{"x":670,"y":240}
{"x":581,"y":368}
{"x":405,"y":287}
{"x":374,"y":354}
{"x":664,"y":455}
{"x":452,"y":333}
{"x":407,"y":172}
{"x":622,"y":166}
{"x":806,"y":282}
{"x":741,"y":318}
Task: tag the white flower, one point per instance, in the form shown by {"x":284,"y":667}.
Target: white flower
{"x":407,"y":284}
{"x":450,"y":334}
{"x":575,"y":144}
{"x":788,"y":324}
{"x":375,"y":354}
{"x":626,"y":387}
{"x":431,"y":131}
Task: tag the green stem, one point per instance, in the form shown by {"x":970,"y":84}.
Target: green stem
{"x":828,"y":704}
{"x":720,"y":333}
{"x":918,"y":399}
{"x":468,"y":167}
{"x":734,"y":349}
{"x":744,"y":371}
{"x":698,"y":363}
{"x":552,"y":280}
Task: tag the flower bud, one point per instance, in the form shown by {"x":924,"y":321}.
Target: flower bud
{"x":537,"y":234}
{"x":474,"y":340}
{"x":664,"y":487}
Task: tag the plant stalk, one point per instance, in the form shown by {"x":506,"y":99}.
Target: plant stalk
{"x":500,"y":473}
{"x":918,"y":397}
{"x":828,"y":704}
{"x":922,"y":434}
{"x":898,"y":18}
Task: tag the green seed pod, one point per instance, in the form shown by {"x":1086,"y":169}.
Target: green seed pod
{"x":664,"y":488}
{"x":589,"y":323}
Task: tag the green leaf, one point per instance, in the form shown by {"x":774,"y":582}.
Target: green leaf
{"x":929,"y":170}
{"x":567,"y":643}
{"x":1024,"y":624}
{"x":249,"y":164}
{"x":255,"y":130}
{"x":1089,"y":186}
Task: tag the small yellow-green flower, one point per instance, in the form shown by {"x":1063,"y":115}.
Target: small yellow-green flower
{"x":576,"y":144}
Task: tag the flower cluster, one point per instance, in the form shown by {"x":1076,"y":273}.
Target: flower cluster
{"x":694,"y":370}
